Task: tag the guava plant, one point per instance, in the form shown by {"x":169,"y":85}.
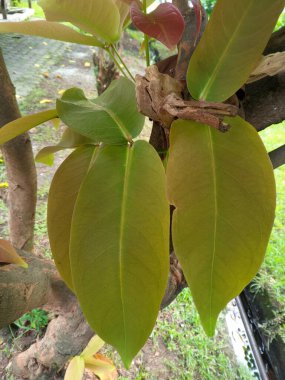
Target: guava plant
{"x":109,"y":202}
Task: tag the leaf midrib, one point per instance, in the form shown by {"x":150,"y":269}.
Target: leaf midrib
{"x":213,"y":168}
{"x":117,"y":120}
{"x":129,"y":152}
{"x":209,"y":83}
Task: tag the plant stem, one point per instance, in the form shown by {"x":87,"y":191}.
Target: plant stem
{"x":146,"y":39}
{"x":108,"y":49}
{"x":123,"y":63}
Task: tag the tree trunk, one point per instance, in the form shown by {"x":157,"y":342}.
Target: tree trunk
{"x":21,"y":172}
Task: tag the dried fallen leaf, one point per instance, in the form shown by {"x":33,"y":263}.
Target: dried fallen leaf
{"x":46,"y":101}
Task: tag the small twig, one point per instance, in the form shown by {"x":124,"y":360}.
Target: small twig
{"x":146,"y":38}
{"x":108,"y":49}
{"x":123,"y":63}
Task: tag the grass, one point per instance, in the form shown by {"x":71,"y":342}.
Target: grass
{"x":272,"y":273}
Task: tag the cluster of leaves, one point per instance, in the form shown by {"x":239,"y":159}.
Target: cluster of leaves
{"x":108,"y":208}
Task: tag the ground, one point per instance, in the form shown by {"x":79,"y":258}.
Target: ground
{"x":178,"y":348}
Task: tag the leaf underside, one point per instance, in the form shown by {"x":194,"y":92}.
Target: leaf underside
{"x":223,"y":188}
{"x":97,"y":17}
{"x":52,"y":30}
{"x":119,"y":245}
{"x":69,"y":140}
{"x":111,"y":118}
{"x":231,"y":46}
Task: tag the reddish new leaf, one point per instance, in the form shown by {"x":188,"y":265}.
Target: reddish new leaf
{"x":165,"y":23}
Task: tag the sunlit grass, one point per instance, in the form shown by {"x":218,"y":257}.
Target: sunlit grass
{"x":273,"y":268}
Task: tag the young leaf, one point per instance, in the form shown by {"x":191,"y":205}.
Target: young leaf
{"x":23,"y":124}
{"x":9,"y":255}
{"x":95,"y":344}
{"x":62,"y":196}
{"x":75,"y":369}
{"x":111,"y":118}
{"x":69,"y":140}
{"x":222,"y":185}
{"x":231,"y":46}
{"x":98,"y":17}
{"x":165,"y":23}
{"x":52,"y":30}
{"x":119,"y":245}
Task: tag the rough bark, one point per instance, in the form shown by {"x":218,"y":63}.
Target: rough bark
{"x":264,"y":101}
{"x":20,"y":167}
{"x":22,"y":290}
{"x":276,"y":42}
{"x":66,"y":336}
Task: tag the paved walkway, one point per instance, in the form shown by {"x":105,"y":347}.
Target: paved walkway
{"x":27,"y":57}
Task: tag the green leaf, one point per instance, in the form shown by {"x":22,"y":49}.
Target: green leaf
{"x":62,"y":196}
{"x":69,"y":140}
{"x":231,"y":46}
{"x":75,"y":369}
{"x":8,"y":254}
{"x":52,"y":30}
{"x":23,"y":124}
{"x":222,"y":185}
{"x":119,"y":245}
{"x":98,"y":17}
{"x":111,"y":118}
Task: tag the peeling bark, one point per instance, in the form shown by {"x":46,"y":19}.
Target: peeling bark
{"x":20,"y":167}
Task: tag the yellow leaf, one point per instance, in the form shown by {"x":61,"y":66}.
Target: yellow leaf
{"x":9,"y":255}
{"x":75,"y":369}
{"x":103,"y":368}
{"x":95,"y":344}
{"x":87,"y":64}
{"x":60,"y":92}
{"x":46,"y":101}
{"x":45,"y":74}
{"x":4,"y":185}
